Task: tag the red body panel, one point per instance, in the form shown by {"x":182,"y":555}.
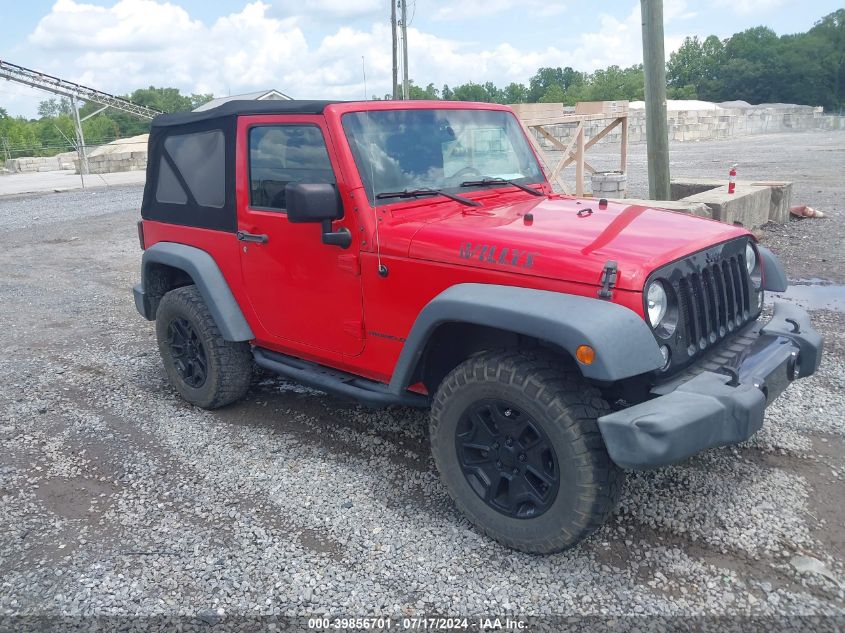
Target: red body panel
{"x":330,"y":305}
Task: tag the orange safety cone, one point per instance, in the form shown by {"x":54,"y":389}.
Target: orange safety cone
{"x":732,"y":179}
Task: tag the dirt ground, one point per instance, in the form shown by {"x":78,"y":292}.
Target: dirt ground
{"x":118,"y":498}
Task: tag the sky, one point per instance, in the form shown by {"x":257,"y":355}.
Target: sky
{"x":314,"y":48}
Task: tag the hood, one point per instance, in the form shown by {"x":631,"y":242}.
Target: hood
{"x":568,"y":239}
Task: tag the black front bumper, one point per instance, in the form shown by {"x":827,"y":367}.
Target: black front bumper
{"x":714,"y":409}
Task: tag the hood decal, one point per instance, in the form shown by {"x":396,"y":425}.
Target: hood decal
{"x":496,"y":254}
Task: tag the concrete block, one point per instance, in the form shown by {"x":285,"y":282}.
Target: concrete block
{"x":748,"y":206}
{"x":684,"y":187}
{"x":780,"y":202}
{"x":781,"y":192}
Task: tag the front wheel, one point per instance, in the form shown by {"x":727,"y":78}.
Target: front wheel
{"x":515,"y":440}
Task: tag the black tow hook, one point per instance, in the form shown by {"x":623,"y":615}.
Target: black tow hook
{"x":732,"y":373}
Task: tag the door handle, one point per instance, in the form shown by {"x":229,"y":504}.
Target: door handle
{"x":252,"y":237}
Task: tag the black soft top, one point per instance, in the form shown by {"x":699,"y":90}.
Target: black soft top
{"x":242,"y":107}
{"x":191,"y":162}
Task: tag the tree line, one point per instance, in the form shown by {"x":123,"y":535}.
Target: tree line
{"x":54,"y":131}
{"x":756,"y":66}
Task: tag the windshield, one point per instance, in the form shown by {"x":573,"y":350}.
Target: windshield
{"x":398,"y":150}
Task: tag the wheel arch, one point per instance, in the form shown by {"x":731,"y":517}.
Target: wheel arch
{"x":463,"y":318}
{"x":167,"y":265}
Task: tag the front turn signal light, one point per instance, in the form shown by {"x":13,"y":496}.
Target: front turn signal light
{"x":585,"y":354}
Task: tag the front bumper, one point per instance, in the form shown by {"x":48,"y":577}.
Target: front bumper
{"x":713,"y":409}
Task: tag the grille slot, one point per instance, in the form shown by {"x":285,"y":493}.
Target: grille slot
{"x":687,"y":312}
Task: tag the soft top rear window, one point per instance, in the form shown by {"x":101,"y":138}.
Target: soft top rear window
{"x":199,"y":159}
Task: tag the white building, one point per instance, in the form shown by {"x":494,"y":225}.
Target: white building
{"x":263,"y":95}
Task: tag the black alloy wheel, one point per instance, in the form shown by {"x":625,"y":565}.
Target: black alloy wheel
{"x":187,"y":352}
{"x":507,"y":459}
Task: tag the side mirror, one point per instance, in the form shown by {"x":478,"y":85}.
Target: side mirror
{"x":312,"y":202}
{"x":317,"y":202}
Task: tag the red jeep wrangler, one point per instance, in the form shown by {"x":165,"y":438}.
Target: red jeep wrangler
{"x":413,"y":253}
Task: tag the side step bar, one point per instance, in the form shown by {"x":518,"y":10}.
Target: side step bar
{"x":367,"y":392}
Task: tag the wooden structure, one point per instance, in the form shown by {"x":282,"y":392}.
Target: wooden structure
{"x":539,"y":119}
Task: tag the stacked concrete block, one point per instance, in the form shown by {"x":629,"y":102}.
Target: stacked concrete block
{"x":110,"y":163}
{"x":721,"y":123}
{"x":609,"y":184}
{"x":32,"y":164}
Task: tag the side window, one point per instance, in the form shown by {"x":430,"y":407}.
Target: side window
{"x":281,"y":154}
{"x":200,"y":159}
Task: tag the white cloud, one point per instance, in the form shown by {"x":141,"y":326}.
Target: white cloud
{"x":330,"y":9}
{"x":748,"y":7}
{"x":138,"y":43}
{"x":483,"y":8}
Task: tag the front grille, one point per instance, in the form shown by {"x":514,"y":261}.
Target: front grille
{"x":714,"y":301}
{"x":713,"y":297}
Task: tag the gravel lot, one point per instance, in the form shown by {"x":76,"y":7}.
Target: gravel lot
{"x":117,"y":498}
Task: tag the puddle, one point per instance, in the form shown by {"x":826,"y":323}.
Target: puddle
{"x":813,"y":294}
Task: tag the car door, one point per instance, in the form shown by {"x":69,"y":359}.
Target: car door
{"x":303,"y":291}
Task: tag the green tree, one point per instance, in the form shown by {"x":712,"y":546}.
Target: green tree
{"x":685,"y":92}
{"x":471,"y":92}
{"x":515,"y":93}
{"x":200,"y":99}
{"x":694,"y":69}
{"x":416,"y":92}
{"x":54,"y":107}
{"x":547,"y":77}
{"x":555,"y":94}
{"x":831,"y":30}
{"x":615,"y":83}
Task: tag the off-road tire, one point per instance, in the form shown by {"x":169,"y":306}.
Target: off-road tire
{"x":229,"y":364}
{"x":566,"y":407}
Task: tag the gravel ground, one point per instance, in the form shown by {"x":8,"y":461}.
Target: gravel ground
{"x":117,"y":498}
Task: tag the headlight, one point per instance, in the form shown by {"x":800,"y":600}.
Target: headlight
{"x":657,"y":302}
{"x":750,"y":258}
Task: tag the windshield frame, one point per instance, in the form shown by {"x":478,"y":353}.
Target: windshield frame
{"x":519,"y":150}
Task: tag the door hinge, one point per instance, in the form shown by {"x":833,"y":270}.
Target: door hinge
{"x":608,"y":279}
{"x":350,"y":263}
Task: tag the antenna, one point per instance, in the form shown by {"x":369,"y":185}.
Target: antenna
{"x":382,"y":269}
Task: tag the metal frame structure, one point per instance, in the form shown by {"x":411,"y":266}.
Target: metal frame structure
{"x":76,"y":93}
{"x":539,"y":119}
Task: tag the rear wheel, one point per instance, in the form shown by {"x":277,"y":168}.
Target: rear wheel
{"x":515,"y":439}
{"x":205,"y":369}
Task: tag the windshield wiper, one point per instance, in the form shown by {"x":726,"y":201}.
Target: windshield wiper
{"x":417,"y":193}
{"x":501,"y":181}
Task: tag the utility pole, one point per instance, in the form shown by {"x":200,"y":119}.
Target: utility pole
{"x":654,"y":66}
{"x":406,"y":87}
{"x":395,"y":49}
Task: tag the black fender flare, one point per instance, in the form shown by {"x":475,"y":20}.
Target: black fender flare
{"x":206,"y":274}
{"x":624,"y":343}
{"x":774,"y":275}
